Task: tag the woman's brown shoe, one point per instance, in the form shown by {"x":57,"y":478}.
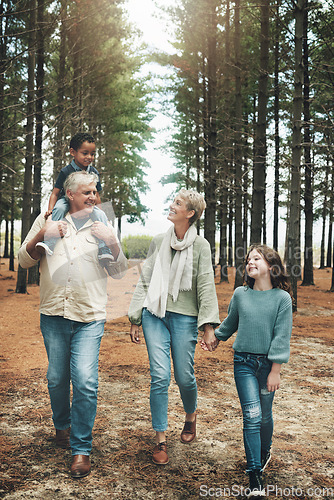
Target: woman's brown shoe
{"x":189,"y":432}
{"x":160,"y":456}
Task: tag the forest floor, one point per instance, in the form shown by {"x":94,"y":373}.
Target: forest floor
{"x":213,"y":466}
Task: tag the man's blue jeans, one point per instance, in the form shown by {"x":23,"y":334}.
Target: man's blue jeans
{"x":250,"y":373}
{"x":73,"y":352}
{"x":176,"y":335}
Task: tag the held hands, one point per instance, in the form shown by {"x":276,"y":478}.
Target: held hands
{"x":134,"y":334}
{"x":209,"y":341}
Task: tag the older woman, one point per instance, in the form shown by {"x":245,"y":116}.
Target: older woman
{"x":175,"y":297}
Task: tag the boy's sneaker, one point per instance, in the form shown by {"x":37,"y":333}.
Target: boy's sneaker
{"x":45,"y":246}
{"x":265,"y":459}
{"x":106,"y":259}
{"x":105,"y":254}
{"x":255,"y":484}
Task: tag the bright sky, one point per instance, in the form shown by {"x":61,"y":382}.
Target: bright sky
{"x":142,"y":14}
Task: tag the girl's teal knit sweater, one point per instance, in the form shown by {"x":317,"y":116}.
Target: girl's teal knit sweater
{"x":263,"y":320}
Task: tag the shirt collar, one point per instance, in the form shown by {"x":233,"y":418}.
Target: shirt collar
{"x":78,"y":169}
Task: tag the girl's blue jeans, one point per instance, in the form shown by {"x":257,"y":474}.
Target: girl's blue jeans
{"x":250,"y":373}
{"x":73,"y":352}
{"x":174,"y":336}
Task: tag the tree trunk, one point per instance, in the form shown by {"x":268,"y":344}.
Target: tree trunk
{"x":238,"y":240}
{"x":332,"y":285}
{"x":324,"y":217}
{"x":60,"y":129}
{"x":230,"y":230}
{"x":3,"y":55}
{"x":293,"y":236}
{"x":276,"y":119}
{"x":12,"y":206}
{"x":21,"y":285}
{"x":6,"y":246}
{"x":331,"y":220}
{"x":258,"y":201}
{"x":308,"y":193}
{"x":33,"y":274}
{"x":210,"y":180}
{"x":225,"y":163}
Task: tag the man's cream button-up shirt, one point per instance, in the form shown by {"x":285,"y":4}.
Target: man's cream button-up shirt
{"x":72,"y":282}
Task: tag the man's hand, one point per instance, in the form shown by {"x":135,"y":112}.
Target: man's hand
{"x":51,"y":229}
{"x":105,"y":233}
{"x":55,"y":229}
{"x":134,"y":334}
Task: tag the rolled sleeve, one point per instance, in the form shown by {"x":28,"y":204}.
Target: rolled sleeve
{"x":25,"y":260}
{"x":208,"y":311}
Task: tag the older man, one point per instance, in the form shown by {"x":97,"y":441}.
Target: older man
{"x":73,"y":297}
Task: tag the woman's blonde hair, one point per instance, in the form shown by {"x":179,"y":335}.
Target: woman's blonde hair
{"x":194,"y":201}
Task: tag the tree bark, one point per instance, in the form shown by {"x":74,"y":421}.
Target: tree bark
{"x":225,"y":163}
{"x":259,"y":186}
{"x":324,"y":217}
{"x":330,"y":225}
{"x":238,"y":240}
{"x":59,"y":134}
{"x":33,"y":274}
{"x":210,"y":180}
{"x":293,"y":235}
{"x":3,"y":53}
{"x":276,"y":120}
{"x":21,"y":284}
{"x":308,"y":193}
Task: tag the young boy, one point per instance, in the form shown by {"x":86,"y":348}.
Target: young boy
{"x":82,"y":148}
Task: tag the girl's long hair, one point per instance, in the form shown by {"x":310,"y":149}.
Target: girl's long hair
{"x":278,"y":275}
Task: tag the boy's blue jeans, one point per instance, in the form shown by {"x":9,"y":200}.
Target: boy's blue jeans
{"x":176,"y":335}
{"x":73,"y":352}
{"x":60,"y":210}
{"x":250,"y":373}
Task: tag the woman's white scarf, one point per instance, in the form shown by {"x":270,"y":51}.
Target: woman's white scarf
{"x":171,"y":276}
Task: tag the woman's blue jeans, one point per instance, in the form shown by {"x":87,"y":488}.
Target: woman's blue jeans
{"x":250,"y":373}
{"x":73,"y":352}
{"x":174,"y":335}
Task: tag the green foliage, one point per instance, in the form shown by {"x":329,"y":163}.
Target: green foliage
{"x":136,"y":247}
{"x":92,"y":83}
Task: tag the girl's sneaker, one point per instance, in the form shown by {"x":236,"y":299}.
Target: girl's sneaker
{"x":255,"y":484}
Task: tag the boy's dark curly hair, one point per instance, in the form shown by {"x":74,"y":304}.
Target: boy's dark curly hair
{"x":79,"y":139}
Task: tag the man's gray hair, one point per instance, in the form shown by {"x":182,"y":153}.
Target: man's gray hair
{"x":76,"y":179}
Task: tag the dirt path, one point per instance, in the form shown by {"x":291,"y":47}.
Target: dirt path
{"x":213,"y":466}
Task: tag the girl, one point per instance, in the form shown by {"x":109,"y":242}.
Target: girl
{"x":261,"y":311}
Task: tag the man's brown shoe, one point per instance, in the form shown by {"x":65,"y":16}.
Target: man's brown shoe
{"x":189,"y":432}
{"x":160,"y":456}
{"x":63,"y":438}
{"x":80,"y":466}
